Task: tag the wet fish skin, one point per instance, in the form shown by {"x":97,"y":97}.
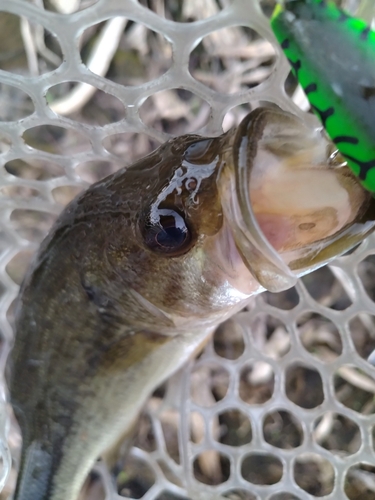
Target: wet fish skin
{"x":106,"y":313}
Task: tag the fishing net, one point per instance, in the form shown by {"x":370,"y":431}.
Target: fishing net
{"x":280,"y":405}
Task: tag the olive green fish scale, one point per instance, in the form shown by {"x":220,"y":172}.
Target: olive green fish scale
{"x":333,"y":57}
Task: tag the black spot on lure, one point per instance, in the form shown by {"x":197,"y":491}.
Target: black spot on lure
{"x":333,"y":56}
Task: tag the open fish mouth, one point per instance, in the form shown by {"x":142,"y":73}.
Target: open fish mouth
{"x":291,"y":203}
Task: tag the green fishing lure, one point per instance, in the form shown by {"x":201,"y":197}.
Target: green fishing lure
{"x":333,"y":56}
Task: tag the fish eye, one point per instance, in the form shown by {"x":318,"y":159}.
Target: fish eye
{"x":167,"y":233}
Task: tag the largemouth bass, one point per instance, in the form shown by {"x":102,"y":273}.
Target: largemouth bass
{"x":140,"y":269}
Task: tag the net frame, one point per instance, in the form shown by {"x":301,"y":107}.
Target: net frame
{"x":181,"y":480}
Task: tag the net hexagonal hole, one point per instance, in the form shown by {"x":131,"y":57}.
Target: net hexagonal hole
{"x":337,"y":433}
{"x":256,"y":383}
{"x":129,"y":146}
{"x":303,"y":386}
{"x":56,"y":140}
{"x":235,"y":115}
{"x":169,"y":425}
{"x":197,"y":427}
{"x":14,"y":59}
{"x":359,"y":482}
{"x":355,"y":389}
{"x":69,"y":7}
{"x":34,"y":169}
{"x":282,"y":429}
{"x":262,"y":468}
{"x":145,"y":438}
{"x":93,"y":171}
{"x":238,"y":494}
{"x":18,"y":265}
{"x":314,"y":474}
{"x":284,"y":496}
{"x":65,"y":194}
{"x":286,"y":300}
{"x":102,"y":108}
{"x":93,"y":487}
{"x":14,"y":103}
{"x":326,"y":289}
{"x":168,"y":495}
{"x":175,"y":111}
{"x":319,"y":336}
{"x":5,"y":143}
{"x":211,"y":467}
{"x":32,"y":225}
{"x":270,"y":335}
{"x":135,"y":478}
{"x":2,"y":286}
{"x":182,"y":12}
{"x":235,"y":428}
{"x":232,"y":59}
{"x":228,"y":340}
{"x":366,"y":272}
{"x":291,"y":89}
{"x":209,"y":384}
{"x":17,"y":191}
{"x":141,"y":56}
{"x":362,"y":331}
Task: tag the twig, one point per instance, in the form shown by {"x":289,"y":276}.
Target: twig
{"x":29,"y":45}
{"x":357,"y":379}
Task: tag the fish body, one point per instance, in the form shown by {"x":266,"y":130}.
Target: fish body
{"x":333,"y":57}
{"x":139,"y":270}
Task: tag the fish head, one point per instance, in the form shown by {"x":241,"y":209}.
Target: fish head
{"x":217,"y":220}
{"x":177,"y":217}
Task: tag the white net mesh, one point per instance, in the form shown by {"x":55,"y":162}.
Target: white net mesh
{"x":281,"y":403}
